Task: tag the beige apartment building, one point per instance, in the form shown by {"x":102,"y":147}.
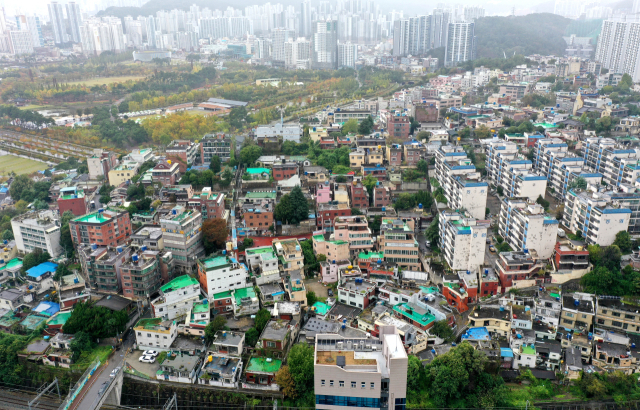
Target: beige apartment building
{"x":289,"y":253}
{"x":496,"y":319}
{"x":398,"y":243}
{"x":355,"y":230}
{"x":351,"y":373}
{"x":614,"y":314}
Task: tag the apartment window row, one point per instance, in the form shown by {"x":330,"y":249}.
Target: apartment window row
{"x":328,"y":400}
{"x":363,"y":385}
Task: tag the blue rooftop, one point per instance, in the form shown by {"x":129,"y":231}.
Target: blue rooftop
{"x":506,"y":352}
{"x":41,"y":269}
{"x":47,"y":308}
{"x":476,"y":333}
{"x":534,"y":178}
{"x":520,"y":162}
{"x":594,"y":175}
{"x":616,"y":211}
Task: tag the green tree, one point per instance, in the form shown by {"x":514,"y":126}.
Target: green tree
{"x":545,"y":204}
{"x":579,"y":183}
{"x":415,"y":374}
{"x":20,"y":186}
{"x":251,"y":337}
{"x":442,"y":329}
{"x":98,"y":321}
{"x":300,"y":363}
{"x":262,"y":318}
{"x":249,"y":154}
{"x":500,"y":190}
{"x":218,"y":323}
{"x":423,"y":135}
{"x":350,"y":127}
{"x":7,"y":235}
{"x":34,"y":258}
{"x":293,"y":207}
{"x":214,"y":234}
{"x":423,"y":166}
{"x":370,"y":182}
{"x":310,"y":260}
{"x":81,"y":343}
{"x":366,"y":126}
{"x":433,"y":231}
{"x":215,"y":164}
{"x":311,"y":298}
{"x":61,"y":270}
{"x":286,"y":382}
{"x":623,"y":241}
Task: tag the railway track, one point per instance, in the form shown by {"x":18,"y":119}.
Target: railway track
{"x":18,"y":400}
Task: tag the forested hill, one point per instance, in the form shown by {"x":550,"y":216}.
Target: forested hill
{"x":539,"y":33}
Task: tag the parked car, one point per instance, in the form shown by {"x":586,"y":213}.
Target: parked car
{"x":103,"y":388}
{"x":427,"y":244}
{"x":147,"y":359}
{"x":114,"y":372}
{"x":561,"y":233}
{"x":152,"y":353}
{"x":330,"y":292}
{"x":492,"y":248}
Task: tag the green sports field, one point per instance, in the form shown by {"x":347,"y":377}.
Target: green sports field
{"x":19,"y":165}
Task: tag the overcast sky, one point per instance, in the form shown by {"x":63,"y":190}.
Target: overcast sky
{"x":410,"y":7}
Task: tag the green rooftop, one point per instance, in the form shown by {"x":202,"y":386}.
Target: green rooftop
{"x":215,"y":262}
{"x":59,"y":319}
{"x":257,"y":195}
{"x":321,"y":308}
{"x":95,"y":218}
{"x":545,"y":125}
{"x":429,"y":290}
{"x":406,"y":311}
{"x":319,"y":238}
{"x":201,"y":308}
{"x":266,"y":252}
{"x":179,"y":283}
{"x":222,"y":295}
{"x":9,"y":319}
{"x":14,"y":263}
{"x":526,"y":349}
{"x":148,"y":323}
{"x":254,"y":171}
{"x":554,"y":295}
{"x":32,"y":322}
{"x":260,"y":364}
{"x":371,"y":255}
{"x":78,"y":194}
{"x":247,"y":292}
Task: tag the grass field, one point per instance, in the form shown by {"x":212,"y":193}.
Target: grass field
{"x":19,"y":165}
{"x":107,"y":80}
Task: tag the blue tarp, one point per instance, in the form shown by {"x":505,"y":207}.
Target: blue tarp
{"x":41,"y":269}
{"x":506,"y":352}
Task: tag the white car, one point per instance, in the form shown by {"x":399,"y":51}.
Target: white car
{"x":147,"y":359}
{"x":114,"y":372}
{"x":152,"y":353}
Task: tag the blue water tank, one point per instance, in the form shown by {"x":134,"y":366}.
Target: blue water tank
{"x":576,"y":302}
{"x":419,"y":206}
{"x":174,"y":211}
{"x":94,"y":246}
{"x":6,"y":241}
{"x":384,"y":209}
{"x":75,"y":280}
{"x":100,"y":210}
{"x":135,"y":258}
{"x":119,"y":249}
{"x":144,"y":248}
{"x":519,"y":336}
{"x":501,"y":308}
{"x":224,"y":252}
{"x":151,"y":208}
{"x":1,"y":261}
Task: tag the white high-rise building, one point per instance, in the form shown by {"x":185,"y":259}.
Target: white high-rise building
{"x":347,"y":55}
{"x":305,"y":18}
{"x":618,"y":46}
{"x":21,"y":42}
{"x":56,"y":15}
{"x":35,"y":28}
{"x":279,"y":37}
{"x":460,"y":44}
{"x":75,"y":21}
{"x":324,"y":45}
{"x":151,"y":32}
{"x":102,"y":35}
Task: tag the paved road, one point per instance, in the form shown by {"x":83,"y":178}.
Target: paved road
{"x":89,"y":397}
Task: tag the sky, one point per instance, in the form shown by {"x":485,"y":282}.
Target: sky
{"x":410,"y":7}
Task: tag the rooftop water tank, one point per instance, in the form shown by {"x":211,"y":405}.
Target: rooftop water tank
{"x":144,"y":248}
{"x":134,"y":258}
{"x":94,"y":246}
{"x":119,"y":249}
{"x":174,"y":211}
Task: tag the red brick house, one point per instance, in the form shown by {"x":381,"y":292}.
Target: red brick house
{"x":74,"y":200}
{"x":399,"y":126}
{"x":209,"y":204}
{"x":284,"y":171}
{"x":103,"y":228}
{"x":166,"y":172}
{"x":381,"y":196}
{"x":359,"y":195}
{"x":222,"y":303}
{"x":327,"y":213}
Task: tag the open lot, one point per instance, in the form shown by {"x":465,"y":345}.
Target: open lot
{"x":19,"y":165}
{"x":147,"y":369}
{"x":106,"y":80}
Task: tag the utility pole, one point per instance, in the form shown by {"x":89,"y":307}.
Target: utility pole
{"x":43,"y":390}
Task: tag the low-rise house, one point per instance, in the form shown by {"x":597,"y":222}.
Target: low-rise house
{"x":275,"y":338}
{"x":527,"y":356}
{"x":613,"y":356}
{"x":263,"y":264}
{"x":179,"y":368}
{"x":197,"y":319}
{"x":294,"y":285}
{"x":577,"y":312}
{"x":356,"y":292}
{"x":572,"y":363}
{"x":245,"y":302}
{"x":550,"y":351}
{"x":271,"y":293}
{"x":10,"y":268}
{"x":59,"y":353}
{"x":155,"y":334}
{"x":220,"y":370}
{"x":222,"y":303}
{"x":176,"y":298}
{"x":548,"y":308}
{"x":262,"y":371}
{"x":11,"y":299}
{"x":286,"y":311}
{"x":496,"y":319}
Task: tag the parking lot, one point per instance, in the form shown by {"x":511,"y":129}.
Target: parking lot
{"x":319,"y":289}
{"x":150,"y":369}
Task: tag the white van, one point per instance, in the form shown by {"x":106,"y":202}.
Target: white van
{"x":561,"y":233}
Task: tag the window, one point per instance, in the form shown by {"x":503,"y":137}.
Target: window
{"x":353,"y":385}
{"x":373,"y":385}
{"x":341,"y":383}
{"x":330,"y":383}
{"x":363,"y":385}
{"x":322,"y":382}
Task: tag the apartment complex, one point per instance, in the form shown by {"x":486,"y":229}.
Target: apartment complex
{"x":37,"y":230}
{"x":221,"y":274}
{"x":183,"y":153}
{"x":355,"y":230}
{"x":460,"y":181}
{"x":209,"y":204}
{"x":463,"y":240}
{"x":525,"y":226}
{"x":176,"y":298}
{"x":102,"y":265}
{"x":617,"y":166}
{"x":142,"y":274}
{"x":595,"y":215}
{"x":182,"y":234}
{"x":105,"y":227}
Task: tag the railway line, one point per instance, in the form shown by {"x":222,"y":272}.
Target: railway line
{"x":19,"y":400}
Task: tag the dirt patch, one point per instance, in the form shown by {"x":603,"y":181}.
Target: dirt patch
{"x":318,"y":288}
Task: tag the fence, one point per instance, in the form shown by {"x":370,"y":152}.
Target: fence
{"x":77,"y":388}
